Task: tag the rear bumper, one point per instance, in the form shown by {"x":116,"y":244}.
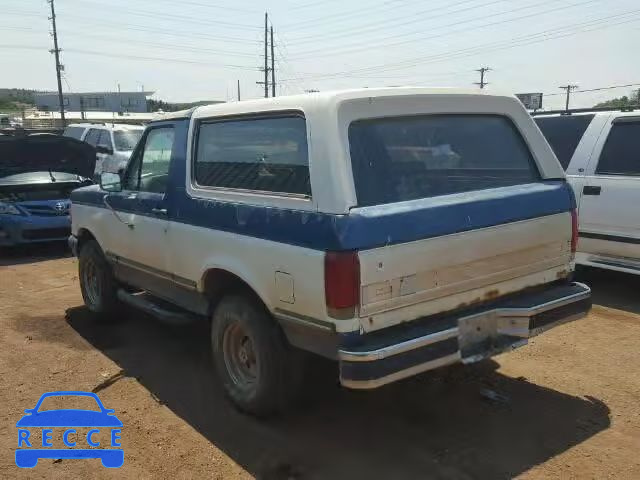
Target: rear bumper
{"x":399,"y":352}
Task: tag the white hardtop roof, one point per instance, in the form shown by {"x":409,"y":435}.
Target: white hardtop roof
{"x":315,"y":99}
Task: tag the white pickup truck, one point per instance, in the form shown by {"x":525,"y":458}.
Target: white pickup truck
{"x":600,"y":151}
{"x":393,"y":230}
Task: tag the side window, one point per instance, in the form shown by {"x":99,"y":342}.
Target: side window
{"x":621,"y":152}
{"x":149,"y":170}
{"x":92,"y":136}
{"x":258,"y":154}
{"x":105,"y":139}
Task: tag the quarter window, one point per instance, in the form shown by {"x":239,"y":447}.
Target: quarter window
{"x":621,"y":152}
{"x":564,"y":134}
{"x":258,"y":154}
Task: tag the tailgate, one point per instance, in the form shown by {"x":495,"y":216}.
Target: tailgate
{"x":458,"y":211}
{"x":458,"y":270}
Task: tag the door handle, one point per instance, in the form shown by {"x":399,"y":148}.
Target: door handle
{"x":591,"y":190}
{"x":159,"y":211}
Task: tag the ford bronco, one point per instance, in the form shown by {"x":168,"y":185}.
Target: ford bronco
{"x":393,"y":230}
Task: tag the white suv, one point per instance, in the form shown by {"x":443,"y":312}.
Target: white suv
{"x":114,"y":143}
{"x":600,"y":151}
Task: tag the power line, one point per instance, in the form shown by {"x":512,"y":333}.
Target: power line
{"x":386,"y":44}
{"x":158,"y":59}
{"x":136,"y":27}
{"x":158,"y":31}
{"x":311,"y":4}
{"x":180,"y":18}
{"x":374,"y":27}
{"x":163,"y":46}
{"x":611,"y":87}
{"x":339,"y":17}
{"x":547,"y":35}
{"x":206,"y":5}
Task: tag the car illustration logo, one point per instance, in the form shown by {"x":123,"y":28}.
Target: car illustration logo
{"x":29,"y":452}
{"x":61,"y":207}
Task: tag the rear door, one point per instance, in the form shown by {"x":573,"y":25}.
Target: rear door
{"x":609,"y":213}
{"x":468,"y":193}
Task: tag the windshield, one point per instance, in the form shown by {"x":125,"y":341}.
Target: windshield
{"x":406,"y":158}
{"x":126,"y":140}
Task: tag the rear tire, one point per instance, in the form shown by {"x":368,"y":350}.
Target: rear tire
{"x":260,"y":372}
{"x":97,"y":283}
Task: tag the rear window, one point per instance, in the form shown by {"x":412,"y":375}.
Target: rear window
{"x":74,"y":132}
{"x":406,"y":158}
{"x":564,"y":134}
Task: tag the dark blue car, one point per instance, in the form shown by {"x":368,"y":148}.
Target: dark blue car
{"x":37,"y":175}
{"x":28,"y":452}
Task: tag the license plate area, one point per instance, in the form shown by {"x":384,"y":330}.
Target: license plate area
{"x":482,"y":336}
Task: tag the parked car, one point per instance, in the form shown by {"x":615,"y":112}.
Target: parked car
{"x":113,"y":143}
{"x":394,"y":230}
{"x":601,"y":154}
{"x":37,"y":175}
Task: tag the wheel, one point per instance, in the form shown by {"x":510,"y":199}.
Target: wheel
{"x":260,"y":372}
{"x":97,"y":283}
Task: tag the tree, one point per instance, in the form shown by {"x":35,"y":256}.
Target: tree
{"x":632,"y":100}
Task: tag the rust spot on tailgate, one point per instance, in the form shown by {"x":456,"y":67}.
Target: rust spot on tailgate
{"x":491,"y":294}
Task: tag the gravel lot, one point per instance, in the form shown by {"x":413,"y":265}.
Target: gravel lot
{"x":568,"y":404}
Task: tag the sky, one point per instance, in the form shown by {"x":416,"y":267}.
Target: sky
{"x":187,"y":50}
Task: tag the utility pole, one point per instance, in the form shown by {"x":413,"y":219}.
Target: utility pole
{"x":238,"y":90}
{"x":482,"y":71}
{"x":59,"y":68}
{"x":568,"y":88}
{"x":266,"y":63}
{"x":266,"y":60}
{"x":273,"y":67}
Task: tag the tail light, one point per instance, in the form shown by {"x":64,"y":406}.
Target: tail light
{"x":574,"y":231}
{"x":342,"y":283}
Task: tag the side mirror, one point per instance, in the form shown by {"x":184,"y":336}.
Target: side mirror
{"x":110,"y":182}
{"x":105,"y":150}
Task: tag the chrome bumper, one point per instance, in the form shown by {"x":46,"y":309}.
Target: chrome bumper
{"x":386,"y":356}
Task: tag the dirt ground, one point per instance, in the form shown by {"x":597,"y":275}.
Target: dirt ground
{"x":568,"y":404}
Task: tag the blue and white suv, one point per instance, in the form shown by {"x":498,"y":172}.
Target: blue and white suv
{"x":393,"y":230}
